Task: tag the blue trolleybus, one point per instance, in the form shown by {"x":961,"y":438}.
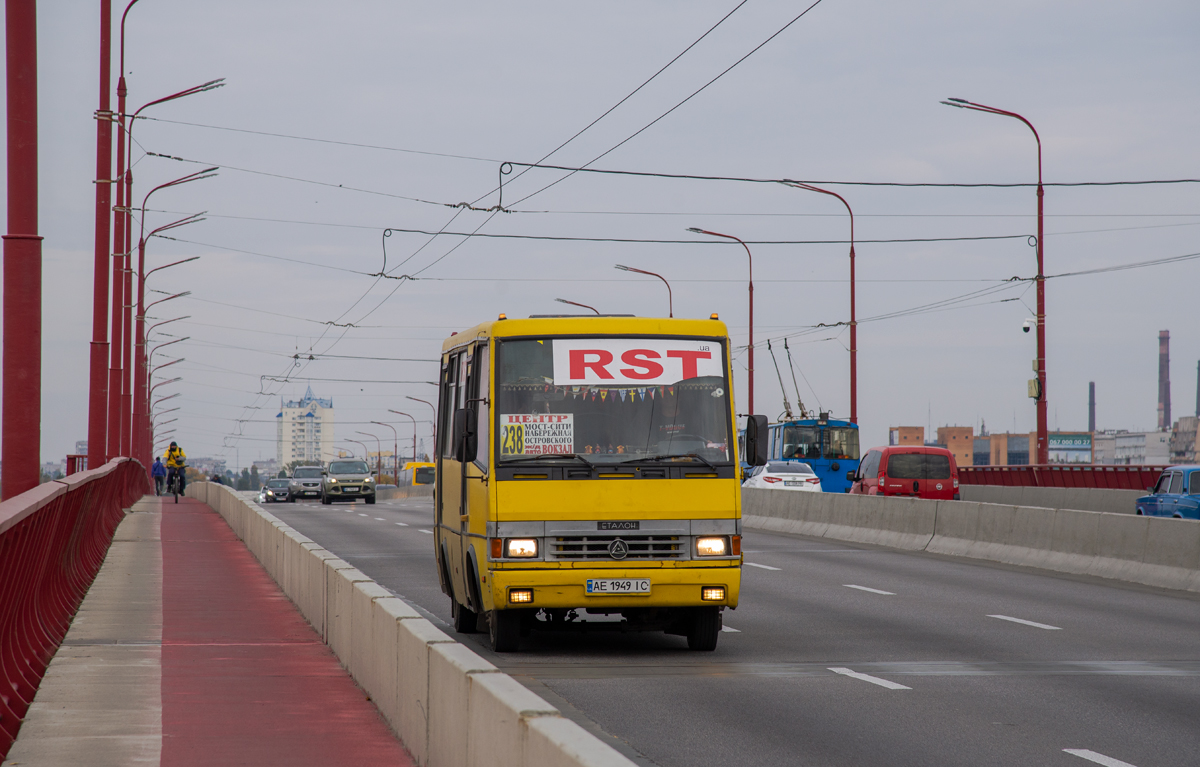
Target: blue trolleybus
{"x":829,"y":446}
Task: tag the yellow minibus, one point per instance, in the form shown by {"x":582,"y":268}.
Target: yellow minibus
{"x":416,"y":473}
{"x":588,"y":477}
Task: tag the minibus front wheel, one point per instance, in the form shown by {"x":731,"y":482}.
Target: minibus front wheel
{"x":465,"y":619}
{"x":704,"y":629}
{"x":504,"y":628}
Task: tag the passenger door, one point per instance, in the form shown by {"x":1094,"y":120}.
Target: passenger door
{"x":450,"y":476}
{"x":1153,"y":507}
{"x":1170,"y":502}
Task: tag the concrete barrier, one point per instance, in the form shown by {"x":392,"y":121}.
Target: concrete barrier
{"x":1081,"y":498}
{"x":449,"y":706}
{"x":1150,"y":550}
{"x":408,"y":491}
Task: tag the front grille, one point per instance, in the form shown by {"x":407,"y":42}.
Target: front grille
{"x":640,"y":546}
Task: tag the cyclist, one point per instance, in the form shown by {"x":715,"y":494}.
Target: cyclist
{"x":175,"y":460}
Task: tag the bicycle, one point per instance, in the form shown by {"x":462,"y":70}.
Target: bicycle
{"x":173,"y":484}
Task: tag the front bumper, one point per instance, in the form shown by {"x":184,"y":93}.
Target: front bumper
{"x":359,"y":491}
{"x":566,"y":587}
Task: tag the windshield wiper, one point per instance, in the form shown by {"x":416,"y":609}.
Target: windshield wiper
{"x":544,"y":456}
{"x":697,"y":456}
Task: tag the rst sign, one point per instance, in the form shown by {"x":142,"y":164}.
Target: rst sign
{"x":633,"y":361}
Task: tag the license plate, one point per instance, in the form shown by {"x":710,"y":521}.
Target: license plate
{"x":602,"y":586}
{"x":793,"y":484}
{"x":350,"y":489}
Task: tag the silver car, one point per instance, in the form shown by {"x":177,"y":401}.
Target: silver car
{"x":305,"y":482}
{"x":347,"y":479}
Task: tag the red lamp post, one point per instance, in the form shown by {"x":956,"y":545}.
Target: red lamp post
{"x":97,"y":376}
{"x":395,"y":448}
{"x":414,"y":423}
{"x":853,"y":318}
{"x":750,"y":339}
{"x":21,"y":408}
{"x":670,"y":299}
{"x":433,"y":429}
{"x":1043,"y":442}
{"x":378,"y":453}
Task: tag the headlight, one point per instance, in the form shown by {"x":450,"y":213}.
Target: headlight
{"x":523,"y":548}
{"x":332,"y":481}
{"x":369,"y":479}
{"x":711,"y":547}
{"x":271,"y":493}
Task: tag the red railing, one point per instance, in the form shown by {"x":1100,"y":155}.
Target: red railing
{"x":1063,"y":475}
{"x":53,"y":540}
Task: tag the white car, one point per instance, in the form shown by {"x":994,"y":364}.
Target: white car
{"x":785,"y":475}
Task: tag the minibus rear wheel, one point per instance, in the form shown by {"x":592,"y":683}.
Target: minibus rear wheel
{"x":465,"y":619}
{"x":706,"y":627}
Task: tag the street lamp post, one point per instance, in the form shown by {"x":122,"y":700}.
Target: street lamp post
{"x":853,"y":317}
{"x":1043,"y":443}
{"x":414,"y":422}
{"x":573,"y":303}
{"x":750,"y":340}
{"x":378,"y":453}
{"x":433,"y":429}
{"x":97,"y":375}
{"x":670,"y":300}
{"x":366,"y":453}
{"x":395,"y":449}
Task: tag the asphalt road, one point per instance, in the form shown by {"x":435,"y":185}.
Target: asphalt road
{"x":850,"y":655}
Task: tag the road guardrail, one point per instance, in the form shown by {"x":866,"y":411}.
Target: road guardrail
{"x":1155,"y":551}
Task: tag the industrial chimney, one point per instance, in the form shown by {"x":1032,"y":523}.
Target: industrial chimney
{"x":1092,"y":406}
{"x":1164,"y":380}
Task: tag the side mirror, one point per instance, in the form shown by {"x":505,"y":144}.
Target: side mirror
{"x":466,"y":441}
{"x":851,"y":476}
{"x":756,"y":440}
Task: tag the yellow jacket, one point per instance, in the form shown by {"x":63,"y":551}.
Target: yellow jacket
{"x":174,"y":459}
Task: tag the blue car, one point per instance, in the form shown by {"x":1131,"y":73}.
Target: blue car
{"x":1177,"y":494}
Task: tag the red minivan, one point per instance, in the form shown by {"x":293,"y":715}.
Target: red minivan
{"x":920,"y":472}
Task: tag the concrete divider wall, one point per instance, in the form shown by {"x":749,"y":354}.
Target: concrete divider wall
{"x":449,"y":706}
{"x":1080,"y":498}
{"x":408,"y":491}
{"x":1152,"y":550}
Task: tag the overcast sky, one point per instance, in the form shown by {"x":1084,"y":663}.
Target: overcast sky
{"x":444,"y":92}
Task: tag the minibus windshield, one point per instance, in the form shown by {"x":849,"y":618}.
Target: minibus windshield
{"x":612,"y":400}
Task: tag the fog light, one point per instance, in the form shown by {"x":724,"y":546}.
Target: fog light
{"x":711,"y":547}
{"x":525,"y":596}
{"x":523,"y":548}
{"x":710,"y":594}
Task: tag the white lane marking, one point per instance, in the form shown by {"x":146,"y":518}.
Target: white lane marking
{"x":427,"y":532}
{"x":873,"y":591}
{"x":348,"y":511}
{"x":380,"y":519}
{"x":1025,"y":622}
{"x":402,"y":524}
{"x":362,"y":515}
{"x":731,"y":630}
{"x":1092,"y":756}
{"x":869,"y":678}
{"x":764,"y":567}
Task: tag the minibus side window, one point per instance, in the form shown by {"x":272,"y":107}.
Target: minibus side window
{"x":479,"y":389}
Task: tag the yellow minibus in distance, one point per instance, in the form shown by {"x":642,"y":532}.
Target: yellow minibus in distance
{"x":416,"y":473}
{"x":588,"y":477}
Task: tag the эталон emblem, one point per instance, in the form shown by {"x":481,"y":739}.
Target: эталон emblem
{"x":618,"y":549}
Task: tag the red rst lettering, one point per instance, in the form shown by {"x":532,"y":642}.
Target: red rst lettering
{"x":689,"y":361}
{"x":580,"y":361}
{"x":641,"y":358}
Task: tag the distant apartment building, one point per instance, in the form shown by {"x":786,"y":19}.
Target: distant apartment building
{"x":304,"y":430}
{"x":1185,"y":435}
{"x":960,"y":441}
{"x":906,"y":435}
{"x":1141,"y":447}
